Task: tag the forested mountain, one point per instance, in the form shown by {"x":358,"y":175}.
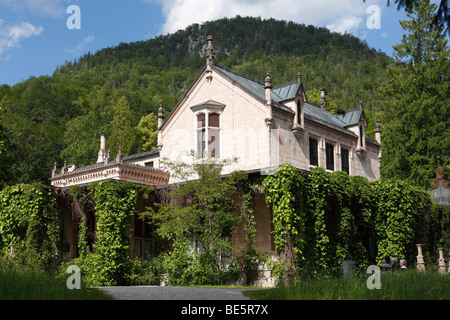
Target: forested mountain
{"x":60,"y":116}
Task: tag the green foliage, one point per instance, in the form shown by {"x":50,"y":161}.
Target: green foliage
{"x":415,"y":114}
{"x":20,"y":282}
{"x":103,"y":111}
{"x":115,"y":204}
{"x":399,"y":205}
{"x":283,"y":192}
{"x":319,"y":220}
{"x":148,"y":132}
{"x":248,"y":259}
{"x":2,"y":147}
{"x":326,"y":218}
{"x":200,"y":213}
{"x":145,"y":272}
{"x":314,"y":98}
{"x":30,"y":222}
{"x":405,"y":285}
{"x":114,"y":88}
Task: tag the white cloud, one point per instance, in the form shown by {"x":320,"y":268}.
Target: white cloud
{"x":343,"y":25}
{"x":11,"y":36}
{"x":53,"y":8}
{"x":79,"y":48}
{"x":337,"y":15}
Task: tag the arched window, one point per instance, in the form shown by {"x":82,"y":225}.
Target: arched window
{"x":299,"y":113}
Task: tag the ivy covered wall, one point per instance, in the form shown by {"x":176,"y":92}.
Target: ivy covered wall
{"x":319,"y":220}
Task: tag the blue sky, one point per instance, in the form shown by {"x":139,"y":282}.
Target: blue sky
{"x":35,"y":39}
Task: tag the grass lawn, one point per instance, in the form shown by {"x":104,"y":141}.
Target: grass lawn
{"x":37,"y":285}
{"x":407,"y":285}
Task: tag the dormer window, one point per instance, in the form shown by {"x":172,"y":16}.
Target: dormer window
{"x":208,"y":128}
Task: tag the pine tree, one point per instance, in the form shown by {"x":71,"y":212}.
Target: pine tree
{"x":2,"y":149}
{"x":416,"y":113}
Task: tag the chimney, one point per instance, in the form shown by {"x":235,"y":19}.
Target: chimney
{"x":55,"y":170}
{"x":323,"y":99}
{"x":268,"y":88}
{"x":160,"y":116}
{"x":102,"y":151}
{"x":378,"y":132}
{"x":64,"y":169}
{"x":299,"y":77}
{"x":160,"y":123}
{"x":378,"y":137}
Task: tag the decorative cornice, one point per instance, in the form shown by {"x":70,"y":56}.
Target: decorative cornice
{"x":113,"y":170}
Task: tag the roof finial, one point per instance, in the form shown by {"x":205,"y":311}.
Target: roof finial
{"x":268,"y":80}
{"x":209,"y":51}
{"x":268,"y":89}
{"x":323,"y":99}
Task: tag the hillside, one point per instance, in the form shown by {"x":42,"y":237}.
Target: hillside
{"x":58,"y":117}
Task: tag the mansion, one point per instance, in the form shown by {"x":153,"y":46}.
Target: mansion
{"x":224,"y":115}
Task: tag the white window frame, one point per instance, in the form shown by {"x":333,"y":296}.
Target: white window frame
{"x":208,"y":108}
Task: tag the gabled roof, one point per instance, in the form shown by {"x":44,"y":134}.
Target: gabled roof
{"x":283,"y":93}
{"x":252,"y":87}
{"x":325,"y":118}
{"x":209,"y":103}
{"x":287,"y":91}
{"x":351,"y":117}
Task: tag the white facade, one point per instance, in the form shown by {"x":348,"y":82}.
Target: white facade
{"x":265,"y":127}
{"x":229,"y":116}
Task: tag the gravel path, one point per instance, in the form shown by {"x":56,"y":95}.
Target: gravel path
{"x":174,"y":293}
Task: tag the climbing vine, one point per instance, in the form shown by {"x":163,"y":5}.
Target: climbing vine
{"x":29,"y":222}
{"x":332,"y":217}
{"x":250,"y":258}
{"x":283,"y":192}
{"x":115,"y":205}
{"x":398,"y":206}
{"x":317,"y":204}
{"x":319,"y":220}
